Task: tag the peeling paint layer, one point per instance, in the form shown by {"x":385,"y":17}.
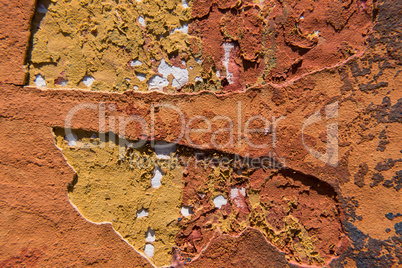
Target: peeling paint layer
{"x":178,"y":197}
{"x":192,"y":45}
{"x":107,"y":40}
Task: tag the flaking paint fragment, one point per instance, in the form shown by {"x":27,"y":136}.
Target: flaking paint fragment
{"x":134,"y":63}
{"x":40,"y":81}
{"x":88,"y":80}
{"x":141,"y":76}
{"x":115,"y":185}
{"x":266,"y":42}
{"x":150,"y":236}
{"x":156,"y":179}
{"x":142,"y":213}
{"x":99,"y":38}
{"x":228,"y":47}
{"x":186,"y":211}
{"x":149,"y":250}
{"x":220,"y":201}
{"x":157,"y":83}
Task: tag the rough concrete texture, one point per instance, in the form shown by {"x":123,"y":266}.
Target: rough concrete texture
{"x":14,"y":39}
{"x":75,"y":199}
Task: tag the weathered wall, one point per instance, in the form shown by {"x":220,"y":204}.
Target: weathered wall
{"x":310,"y":213}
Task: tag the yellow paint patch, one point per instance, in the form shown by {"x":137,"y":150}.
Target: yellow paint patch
{"x":114,"y":184}
{"x":118,"y":43}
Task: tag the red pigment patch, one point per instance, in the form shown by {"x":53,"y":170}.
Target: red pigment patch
{"x":285,"y":198}
{"x":279,"y":40}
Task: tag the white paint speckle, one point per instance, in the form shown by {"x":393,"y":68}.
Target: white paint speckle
{"x":220,"y":201}
{"x":185,"y":4}
{"x":183,"y":29}
{"x":198,"y":60}
{"x":136,"y":87}
{"x":227,"y":47}
{"x":149,"y":250}
{"x":88,"y":80}
{"x":236,"y":192}
{"x":201,"y":195}
{"x":156,"y":180}
{"x":141,"y":20}
{"x":164,"y":68}
{"x":316,"y":32}
{"x":198,"y":78}
{"x":40,"y":81}
{"x":141,"y":76}
{"x":71,"y":139}
{"x":142,"y":213}
{"x":134,"y":63}
{"x":164,"y":149}
{"x":63,"y":83}
{"x":186,"y":211}
{"x":242,"y":191}
{"x":150,"y":235}
{"x":237,"y":195}
{"x":157,"y":83}
{"x":180,"y":75}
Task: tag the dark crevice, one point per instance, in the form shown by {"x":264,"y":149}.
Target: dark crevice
{"x":214,"y":157}
{"x":296,"y":66}
{"x":250,"y":65}
{"x":34,"y":23}
{"x":302,"y":51}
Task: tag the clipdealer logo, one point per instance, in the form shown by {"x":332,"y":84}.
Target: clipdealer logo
{"x":330,"y":156}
